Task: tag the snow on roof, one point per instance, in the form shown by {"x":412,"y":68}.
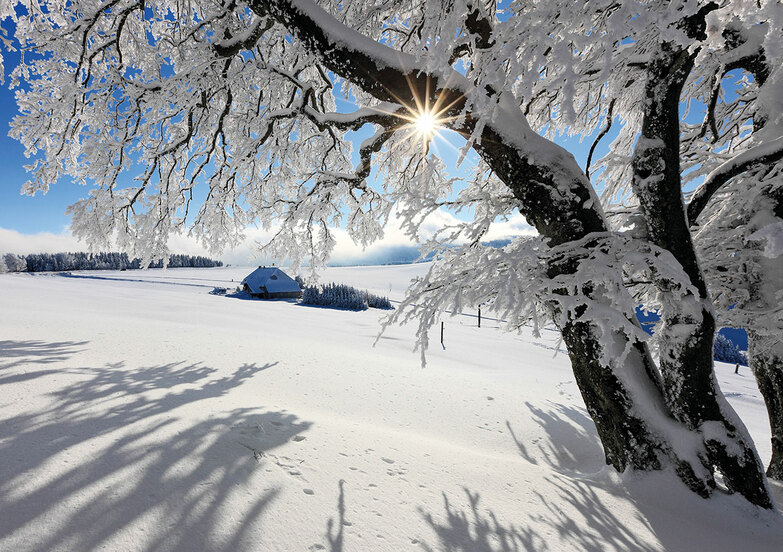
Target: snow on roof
{"x":270,"y":279}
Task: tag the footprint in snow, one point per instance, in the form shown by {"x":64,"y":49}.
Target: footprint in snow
{"x":387,"y":460}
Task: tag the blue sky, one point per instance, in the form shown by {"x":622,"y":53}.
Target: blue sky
{"x":25,"y":214}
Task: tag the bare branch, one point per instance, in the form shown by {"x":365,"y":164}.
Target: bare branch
{"x":604,"y":132}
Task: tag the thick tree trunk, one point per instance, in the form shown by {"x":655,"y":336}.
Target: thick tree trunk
{"x":765,"y":354}
{"x":609,"y":404}
{"x":765,"y":351}
{"x":688,"y":326}
{"x":624,"y":425}
{"x":630,"y":435}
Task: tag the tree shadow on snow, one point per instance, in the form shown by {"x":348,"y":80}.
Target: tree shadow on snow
{"x":16,"y":353}
{"x":583,"y":503}
{"x":336,"y":541}
{"x":568,"y":506}
{"x":110,"y":454}
{"x":571,"y":445}
{"x":478,"y":529}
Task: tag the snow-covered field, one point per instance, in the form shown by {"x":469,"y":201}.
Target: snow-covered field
{"x":139,"y":412}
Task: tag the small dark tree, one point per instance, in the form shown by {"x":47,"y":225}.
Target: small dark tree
{"x":726,"y":351}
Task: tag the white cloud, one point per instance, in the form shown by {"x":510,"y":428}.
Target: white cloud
{"x":516,"y":225}
{"x":12,"y":241}
{"x":395,"y":245}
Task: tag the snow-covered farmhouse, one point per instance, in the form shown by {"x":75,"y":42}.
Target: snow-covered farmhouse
{"x":270,"y":282}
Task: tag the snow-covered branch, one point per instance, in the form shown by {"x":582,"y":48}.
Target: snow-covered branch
{"x":525,"y":283}
{"x":765,"y":154}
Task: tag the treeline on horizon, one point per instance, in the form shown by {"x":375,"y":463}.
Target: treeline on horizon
{"x":55,"y":262}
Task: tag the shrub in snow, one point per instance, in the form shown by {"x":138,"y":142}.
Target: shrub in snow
{"x":726,"y":351}
{"x":378,"y":302}
{"x":341,"y":296}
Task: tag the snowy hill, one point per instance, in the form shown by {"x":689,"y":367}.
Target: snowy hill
{"x":139,"y":412}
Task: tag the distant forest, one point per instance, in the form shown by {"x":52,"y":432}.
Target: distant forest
{"x":52,"y":262}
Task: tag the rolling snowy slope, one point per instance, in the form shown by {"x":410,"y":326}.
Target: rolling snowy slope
{"x":139,"y":412}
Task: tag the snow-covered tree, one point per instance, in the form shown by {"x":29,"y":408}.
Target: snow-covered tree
{"x":239,"y":97}
{"x":342,"y":296}
{"x":47,"y":262}
{"x":726,"y":350}
{"x":14,"y":263}
{"x":739,"y":240}
{"x":736,"y":212}
{"x":339,"y":296}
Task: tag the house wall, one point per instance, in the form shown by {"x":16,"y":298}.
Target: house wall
{"x":285,"y":295}
{"x":278,"y":295}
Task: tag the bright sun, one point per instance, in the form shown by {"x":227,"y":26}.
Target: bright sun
{"x":426,"y":124}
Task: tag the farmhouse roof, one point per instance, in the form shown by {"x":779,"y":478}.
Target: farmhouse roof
{"x":270,"y":280}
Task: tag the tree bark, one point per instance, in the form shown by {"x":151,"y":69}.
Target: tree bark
{"x":687,"y":330}
{"x":688,"y":325}
{"x":765,"y":354}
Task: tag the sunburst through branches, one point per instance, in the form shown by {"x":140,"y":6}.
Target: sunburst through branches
{"x":426,"y":124}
